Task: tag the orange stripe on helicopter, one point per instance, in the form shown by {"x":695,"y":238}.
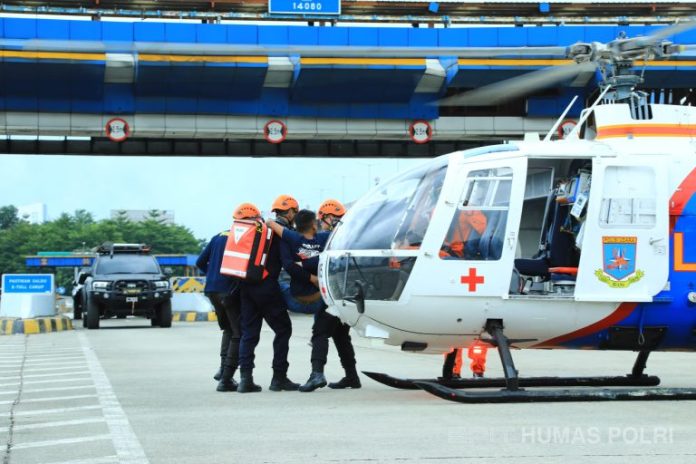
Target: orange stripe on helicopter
{"x":646,"y":130}
{"x":621,"y":313}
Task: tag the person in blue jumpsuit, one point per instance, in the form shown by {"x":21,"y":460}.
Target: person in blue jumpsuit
{"x":222,"y":291}
{"x":264,"y":301}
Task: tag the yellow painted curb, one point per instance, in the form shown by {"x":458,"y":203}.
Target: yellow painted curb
{"x":193,"y":316}
{"x":12,"y":326}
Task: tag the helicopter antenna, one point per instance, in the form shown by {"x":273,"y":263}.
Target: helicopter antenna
{"x":574,"y":134}
{"x":560,"y":119}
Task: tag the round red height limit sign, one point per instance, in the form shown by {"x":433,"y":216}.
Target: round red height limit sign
{"x":275,"y":131}
{"x":117,"y":129}
{"x":566,"y":127}
{"x":420,"y":131}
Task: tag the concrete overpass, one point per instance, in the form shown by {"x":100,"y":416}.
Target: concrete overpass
{"x":69,"y":78}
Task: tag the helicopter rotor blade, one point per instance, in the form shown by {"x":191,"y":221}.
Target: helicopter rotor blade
{"x":669,"y":31}
{"x":290,"y":50}
{"x":517,"y":86}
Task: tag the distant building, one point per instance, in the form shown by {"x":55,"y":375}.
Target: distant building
{"x":164,"y":216}
{"x":34,"y":213}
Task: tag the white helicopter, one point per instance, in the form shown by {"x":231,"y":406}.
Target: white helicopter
{"x":581,"y":243}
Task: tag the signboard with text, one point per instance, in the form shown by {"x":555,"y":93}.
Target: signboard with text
{"x":309,"y":7}
{"x":27,"y":283}
{"x":28,"y":295}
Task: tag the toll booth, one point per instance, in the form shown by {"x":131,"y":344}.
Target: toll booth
{"x":184,"y":264}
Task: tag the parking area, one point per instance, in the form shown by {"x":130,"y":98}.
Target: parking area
{"x":129,"y":393}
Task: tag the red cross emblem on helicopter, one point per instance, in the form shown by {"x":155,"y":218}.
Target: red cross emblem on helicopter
{"x":472,"y":279}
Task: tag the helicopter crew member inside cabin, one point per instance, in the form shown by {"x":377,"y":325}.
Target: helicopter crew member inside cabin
{"x":264,"y":301}
{"x":223,"y":293}
{"x":307,"y":243}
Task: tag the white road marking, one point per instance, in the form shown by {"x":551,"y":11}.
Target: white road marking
{"x":126,"y":443}
{"x":48,"y":369}
{"x":39,"y":412}
{"x":50,"y":389}
{"x":52,"y":359}
{"x":52,"y":354}
{"x":77,"y":378}
{"x":43,"y":425}
{"x":54,"y":368}
{"x":33,"y":376}
{"x":44,"y":361}
{"x":104,"y":460}
{"x":62,"y":441}
{"x":51,"y":398}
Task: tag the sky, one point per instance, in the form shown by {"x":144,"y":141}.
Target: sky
{"x":202,"y":192}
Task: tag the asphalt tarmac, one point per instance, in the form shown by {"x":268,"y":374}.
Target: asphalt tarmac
{"x":129,"y":393}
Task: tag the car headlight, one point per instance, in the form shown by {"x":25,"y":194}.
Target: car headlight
{"x":100,"y":285}
{"x":162,"y":284}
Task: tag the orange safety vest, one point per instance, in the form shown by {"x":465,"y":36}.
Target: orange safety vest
{"x":468,"y":220}
{"x":246,"y":250}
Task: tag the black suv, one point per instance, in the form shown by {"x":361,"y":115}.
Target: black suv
{"x":124,"y":280}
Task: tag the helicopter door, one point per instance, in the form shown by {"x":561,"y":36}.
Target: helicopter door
{"x":625,"y":243}
{"x":480,"y":221}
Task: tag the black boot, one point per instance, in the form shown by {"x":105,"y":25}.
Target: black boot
{"x":224,"y":344}
{"x":227,"y":383}
{"x":280,"y":382}
{"x":316,"y":380}
{"x":346,"y":382}
{"x":351,"y":380}
{"x":246,"y":384}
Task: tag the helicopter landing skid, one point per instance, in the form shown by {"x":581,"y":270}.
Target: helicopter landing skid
{"x":458,"y":383}
{"x":558,"y":395}
{"x":513,"y":391}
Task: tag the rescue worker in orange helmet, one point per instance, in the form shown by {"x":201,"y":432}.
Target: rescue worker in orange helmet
{"x":264,"y":301}
{"x":330,"y":213}
{"x":306,"y":244}
{"x":285,"y":208}
{"x":246,"y":211}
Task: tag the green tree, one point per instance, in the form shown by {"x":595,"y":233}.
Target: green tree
{"x":79,"y":231}
{"x":8,"y":216}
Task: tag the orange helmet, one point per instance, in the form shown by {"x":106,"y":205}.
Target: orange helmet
{"x":246,"y":211}
{"x":334,"y":207}
{"x":284,"y":203}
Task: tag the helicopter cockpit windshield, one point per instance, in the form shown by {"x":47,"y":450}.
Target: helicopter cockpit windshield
{"x":393,"y":218}
{"x":394,"y":215}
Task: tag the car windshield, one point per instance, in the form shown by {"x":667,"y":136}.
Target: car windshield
{"x":127,"y":264}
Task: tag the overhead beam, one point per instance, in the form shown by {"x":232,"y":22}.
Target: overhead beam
{"x":238,"y":148}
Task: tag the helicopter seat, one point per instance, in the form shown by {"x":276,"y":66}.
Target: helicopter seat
{"x":558,"y":261}
{"x":491,"y":242}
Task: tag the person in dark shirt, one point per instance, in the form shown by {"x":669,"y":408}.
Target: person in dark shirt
{"x":264,"y":301}
{"x":307,"y":244}
{"x":300,"y":259}
{"x":222,"y":291}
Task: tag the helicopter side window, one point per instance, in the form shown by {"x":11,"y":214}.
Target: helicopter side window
{"x":478,"y":226}
{"x":623,"y":203}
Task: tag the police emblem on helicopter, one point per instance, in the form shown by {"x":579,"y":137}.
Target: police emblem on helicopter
{"x":619,"y":262}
